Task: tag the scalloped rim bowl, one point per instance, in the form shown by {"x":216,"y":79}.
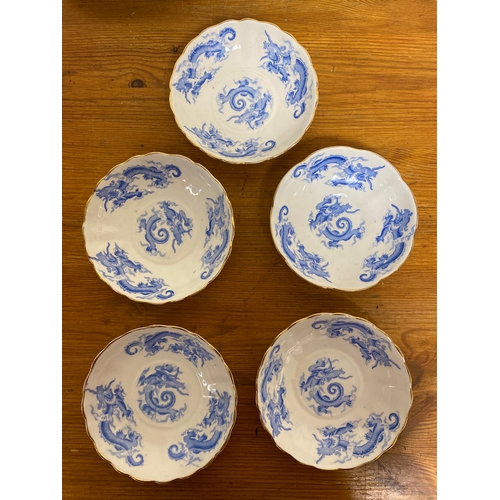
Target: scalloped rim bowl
{"x":158,"y":228}
{"x":343,"y":218}
{"x":333,"y":391}
{"x":159,"y":403}
{"x":244,"y":91}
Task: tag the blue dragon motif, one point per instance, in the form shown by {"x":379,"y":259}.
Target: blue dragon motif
{"x":329,"y":209}
{"x":276,"y":411}
{"x":111,"y":409}
{"x":120,"y":187}
{"x":348,"y":172}
{"x":341,"y":441}
{"x":194,"y":75}
{"x":372,"y":347}
{"x":249,"y":98}
{"x":157,"y":401}
{"x":285,"y":62}
{"x":216,"y":235}
{"x":152,"y":343}
{"x":126,"y":274}
{"x":323,"y":372}
{"x":393,"y":232}
{"x":212,"y":140}
{"x":309,"y":264}
{"x":178,"y":223}
{"x":198,"y":440}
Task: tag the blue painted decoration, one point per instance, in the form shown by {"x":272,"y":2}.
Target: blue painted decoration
{"x":194,"y":72}
{"x":329,"y":209}
{"x":333,"y":395}
{"x":216,"y":235}
{"x":309,"y":264}
{"x":120,"y":187}
{"x":152,"y":343}
{"x":348,"y":172}
{"x":248,"y":99}
{"x":285,"y":62}
{"x":339,"y":442}
{"x":116,"y":423}
{"x":158,"y":393}
{"x":274,"y":403}
{"x":161,"y":223}
{"x":394,"y":232}
{"x":373,"y":347}
{"x":212,"y":140}
{"x":129,"y":275}
{"x":207,"y":434}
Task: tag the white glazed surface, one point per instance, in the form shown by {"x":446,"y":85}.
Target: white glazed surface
{"x":159,"y":362}
{"x":333,"y":391}
{"x":343,"y":218}
{"x":244,"y":91}
{"x":158,"y":228}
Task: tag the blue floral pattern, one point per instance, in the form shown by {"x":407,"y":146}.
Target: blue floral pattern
{"x":116,"y":423}
{"x":161,"y":223}
{"x":348,"y":172}
{"x":341,"y":443}
{"x":194,"y":74}
{"x":211,"y":139}
{"x":275,"y":409}
{"x":207,"y":434}
{"x":216,"y":235}
{"x":152,"y":343}
{"x":309,"y":264}
{"x":129,"y":275}
{"x":247,"y":98}
{"x":321,"y":374}
{"x":285,"y":62}
{"x":119,"y":188}
{"x":328,"y":210}
{"x":373,"y":347}
{"x":395,"y":232}
{"x":158,"y":393}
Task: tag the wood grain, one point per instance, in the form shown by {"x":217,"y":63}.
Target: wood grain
{"x":376,"y":64}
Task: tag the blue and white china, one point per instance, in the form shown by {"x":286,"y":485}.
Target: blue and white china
{"x":159,"y":403}
{"x":244,"y":91}
{"x":158,"y":228}
{"x":343,"y":218}
{"x":334,"y":391}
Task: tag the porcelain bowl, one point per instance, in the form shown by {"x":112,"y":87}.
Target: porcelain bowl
{"x":343,"y":218}
{"x":158,"y":228}
{"x":159,"y":403}
{"x":244,"y":91}
{"x":333,"y":391}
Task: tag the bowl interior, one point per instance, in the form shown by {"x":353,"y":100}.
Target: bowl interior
{"x":343,"y":218}
{"x":159,"y":403}
{"x":244,"y":91}
{"x":329,"y":382}
{"x":158,"y":228}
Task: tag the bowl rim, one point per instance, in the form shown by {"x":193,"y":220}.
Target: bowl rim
{"x":325,"y":287}
{"x":242,"y":162}
{"x":230,"y":430}
{"x":214,"y":275}
{"x":410,"y":387}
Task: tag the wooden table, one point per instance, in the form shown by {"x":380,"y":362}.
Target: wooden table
{"x":376,"y":64}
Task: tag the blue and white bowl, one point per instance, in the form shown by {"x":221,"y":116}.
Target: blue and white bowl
{"x":244,"y":91}
{"x":158,"y":228}
{"x":159,"y":403}
{"x":334,"y":391}
{"x":343,"y":218}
